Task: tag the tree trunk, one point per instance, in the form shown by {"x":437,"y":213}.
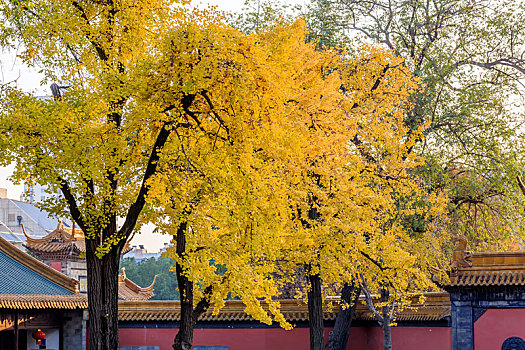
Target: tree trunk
{"x":315,"y":311}
{"x":103,"y":296}
{"x":339,"y":336}
{"x":387,"y":320}
{"x":387,"y":336}
{"x":184,"y":338}
{"x":188,"y":314}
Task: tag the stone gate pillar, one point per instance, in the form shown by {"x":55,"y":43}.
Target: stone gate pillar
{"x":462,"y":325}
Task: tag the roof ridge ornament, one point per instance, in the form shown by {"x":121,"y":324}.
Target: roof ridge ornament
{"x":24,"y":231}
{"x":460,"y":256}
{"x":60,"y":225}
{"x":150,"y":287}
{"x":123,"y":274}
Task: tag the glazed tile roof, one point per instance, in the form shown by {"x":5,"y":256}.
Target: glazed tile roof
{"x":18,"y":279}
{"x":39,"y":301}
{"x":128,"y":290}
{"x":488,"y":278}
{"x":60,"y":243}
{"x":436,"y":307}
{"x":488,"y":269}
{"x":22,"y":274}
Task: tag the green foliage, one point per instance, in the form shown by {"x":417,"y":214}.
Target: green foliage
{"x":143,"y":272}
{"x":257,"y":15}
{"x":322,"y":22}
{"x":468,"y":58}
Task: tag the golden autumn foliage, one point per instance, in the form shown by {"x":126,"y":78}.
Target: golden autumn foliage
{"x":241,"y":136}
{"x":312,"y":131}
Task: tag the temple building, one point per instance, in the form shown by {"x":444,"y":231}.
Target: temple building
{"x":64,"y":250}
{"x":481,"y":307}
{"x":155,"y":324}
{"x":34,"y":296}
{"x":487,"y":294}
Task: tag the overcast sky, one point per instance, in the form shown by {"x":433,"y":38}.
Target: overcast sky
{"x":28,"y":79}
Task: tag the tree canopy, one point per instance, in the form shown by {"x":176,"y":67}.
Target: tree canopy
{"x":257,"y":152}
{"x":468,"y":58}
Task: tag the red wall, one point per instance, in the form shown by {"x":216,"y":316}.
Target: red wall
{"x":57,"y":265}
{"x":403,"y":338}
{"x":496,"y":325}
{"x":412,"y":338}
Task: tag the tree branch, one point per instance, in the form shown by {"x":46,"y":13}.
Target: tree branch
{"x":71,"y":202}
{"x":100,"y":50}
{"x":151,"y":168}
{"x":368,"y":299}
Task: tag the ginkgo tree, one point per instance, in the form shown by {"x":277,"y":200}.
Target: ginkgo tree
{"x":95,"y":142}
{"x":254,"y":151}
{"x":137,"y":82}
{"x":225,"y":199}
{"x":344,"y":205}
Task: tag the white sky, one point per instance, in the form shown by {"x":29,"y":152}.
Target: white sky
{"x":28,"y":79}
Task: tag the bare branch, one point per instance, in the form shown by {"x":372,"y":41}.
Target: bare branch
{"x":368,"y":299}
{"x":520,"y":184}
{"x":151,"y":168}
{"x":71,"y":202}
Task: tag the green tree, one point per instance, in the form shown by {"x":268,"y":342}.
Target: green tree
{"x":143,"y":272}
{"x":468,"y":56}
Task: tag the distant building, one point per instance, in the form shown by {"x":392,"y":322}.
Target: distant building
{"x":139,"y":253}
{"x":9,"y":236}
{"x":14,"y":214}
{"x":38,"y":193}
{"x":64,"y":250}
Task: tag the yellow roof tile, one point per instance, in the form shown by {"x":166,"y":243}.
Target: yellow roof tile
{"x":435,"y":308}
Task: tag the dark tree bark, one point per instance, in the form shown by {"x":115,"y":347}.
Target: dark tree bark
{"x":339,"y":336}
{"x":387,"y":320}
{"x":188,"y":315}
{"x":103,"y":297}
{"x":184,"y":338}
{"x":103,"y":272}
{"x":315,"y":311}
